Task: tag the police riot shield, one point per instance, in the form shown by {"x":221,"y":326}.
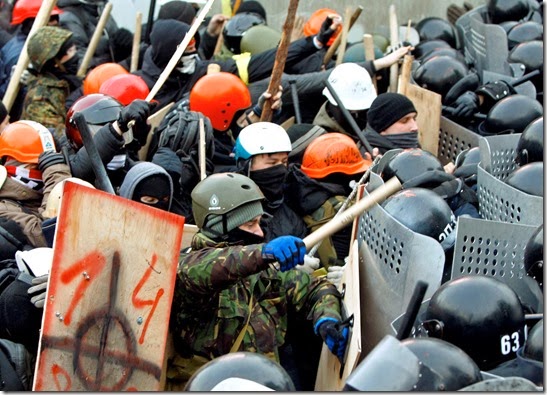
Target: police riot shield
{"x":498,"y":154}
{"x":390,"y":366}
{"x":496,"y":249}
{"x":499,"y":201}
{"x":503,"y":384}
{"x":463,"y":30}
{"x":453,"y":139}
{"x":393,"y":260}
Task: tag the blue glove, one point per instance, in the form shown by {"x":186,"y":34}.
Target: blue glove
{"x":289,"y":251}
{"x":334,"y":335}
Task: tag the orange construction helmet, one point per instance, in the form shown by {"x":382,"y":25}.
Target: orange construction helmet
{"x":24,"y":9}
{"x":98,"y":110}
{"x":219,"y":96}
{"x":95,"y":78}
{"x":313,"y":25}
{"x":333,"y":153}
{"x":24,"y":141}
{"x":125,"y":88}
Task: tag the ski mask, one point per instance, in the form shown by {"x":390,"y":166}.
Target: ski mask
{"x":271,"y":182}
{"x":166,"y":35}
{"x":149,"y":184}
{"x":403,"y":140}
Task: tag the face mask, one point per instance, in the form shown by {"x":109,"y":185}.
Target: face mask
{"x":270,"y":181}
{"x":71,"y":65}
{"x":403,"y":140}
{"x":188,"y":63}
{"x":238,"y":236}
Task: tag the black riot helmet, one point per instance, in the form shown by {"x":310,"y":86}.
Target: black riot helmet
{"x":479,"y":314}
{"x":501,"y":118}
{"x":466,"y":164}
{"x":530,"y":54}
{"x":245,"y":365}
{"x":435,"y":28}
{"x":440,"y":73}
{"x":533,"y":348}
{"x":530,"y":145}
{"x":423,"y":211}
{"x":524,"y":32}
{"x":411,"y":163}
{"x":236,"y":28}
{"x":533,"y":256}
{"x":527,"y":179}
{"x":452,"y":52}
{"x":507,"y":10}
{"x":443,"y":366}
{"x":425,"y":47}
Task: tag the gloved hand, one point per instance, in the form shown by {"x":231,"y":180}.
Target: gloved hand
{"x":310,"y":265}
{"x":275,"y":103}
{"x":328,"y":27}
{"x":466,"y":105}
{"x":50,"y":158}
{"x":334,"y":274}
{"x":334,"y":335}
{"x":25,"y":75}
{"x":38,"y":290}
{"x":289,"y":251}
{"x":138,"y":111}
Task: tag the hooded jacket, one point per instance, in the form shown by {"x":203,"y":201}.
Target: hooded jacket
{"x":139,"y":172}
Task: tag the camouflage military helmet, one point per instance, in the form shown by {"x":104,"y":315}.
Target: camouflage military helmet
{"x":45,"y":44}
{"x":219,"y":195}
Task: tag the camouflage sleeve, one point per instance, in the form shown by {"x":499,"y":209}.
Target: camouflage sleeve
{"x":315,"y":296}
{"x":213,"y":269}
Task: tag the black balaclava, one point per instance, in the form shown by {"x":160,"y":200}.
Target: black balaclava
{"x":179,"y":10}
{"x":157,"y":186}
{"x":166,"y":35}
{"x":271,"y":182}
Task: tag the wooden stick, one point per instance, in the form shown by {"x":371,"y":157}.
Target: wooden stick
{"x":201,"y":151}
{"x":368,"y":42}
{"x":334,"y":225}
{"x":42,"y":18}
{"x":394,"y":40}
{"x":332,"y":49}
{"x":180,"y":50}
{"x":94,"y":40}
{"x":280,"y":58}
{"x":407,"y":33}
{"x":404,"y":78}
{"x":220,"y":40}
{"x":344,"y":39}
{"x":135,"y":50}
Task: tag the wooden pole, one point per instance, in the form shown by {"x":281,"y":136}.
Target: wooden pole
{"x":332,"y":49}
{"x":280,"y":58}
{"x":368,"y":42}
{"x":42,"y":18}
{"x":220,"y":40}
{"x":344,"y":35}
{"x":394,"y":40}
{"x":135,"y":50}
{"x":201,"y":151}
{"x":94,"y":40}
{"x":404,"y":78}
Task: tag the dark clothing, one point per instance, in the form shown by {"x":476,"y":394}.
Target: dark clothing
{"x":376,"y":140}
{"x":284,"y":221}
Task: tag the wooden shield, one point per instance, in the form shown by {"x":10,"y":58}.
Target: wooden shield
{"x":428,"y":105}
{"x":109,"y":296}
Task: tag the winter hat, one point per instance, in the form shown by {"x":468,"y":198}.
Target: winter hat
{"x":166,"y":35}
{"x":387,"y":109}
{"x":234,"y":218}
{"x":179,"y":10}
{"x":252,"y":6}
{"x":3,"y":112}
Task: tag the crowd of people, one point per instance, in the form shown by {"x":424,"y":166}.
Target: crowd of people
{"x":247,"y":283}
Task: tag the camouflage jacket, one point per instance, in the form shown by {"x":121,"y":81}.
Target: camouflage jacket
{"x":212,"y":293}
{"x":45,"y":102}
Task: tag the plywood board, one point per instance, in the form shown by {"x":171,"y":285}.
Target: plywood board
{"x":329,"y":377}
{"x":428,"y":105}
{"x":109,"y":296}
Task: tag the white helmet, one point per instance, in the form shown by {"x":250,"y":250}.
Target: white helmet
{"x":261,"y":138}
{"x":54,"y":199}
{"x":353,"y":85}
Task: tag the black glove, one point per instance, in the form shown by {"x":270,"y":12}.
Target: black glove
{"x":122,"y":44}
{"x":466,"y":105}
{"x":325,"y":33}
{"x":50,"y":158}
{"x":138,"y":111}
